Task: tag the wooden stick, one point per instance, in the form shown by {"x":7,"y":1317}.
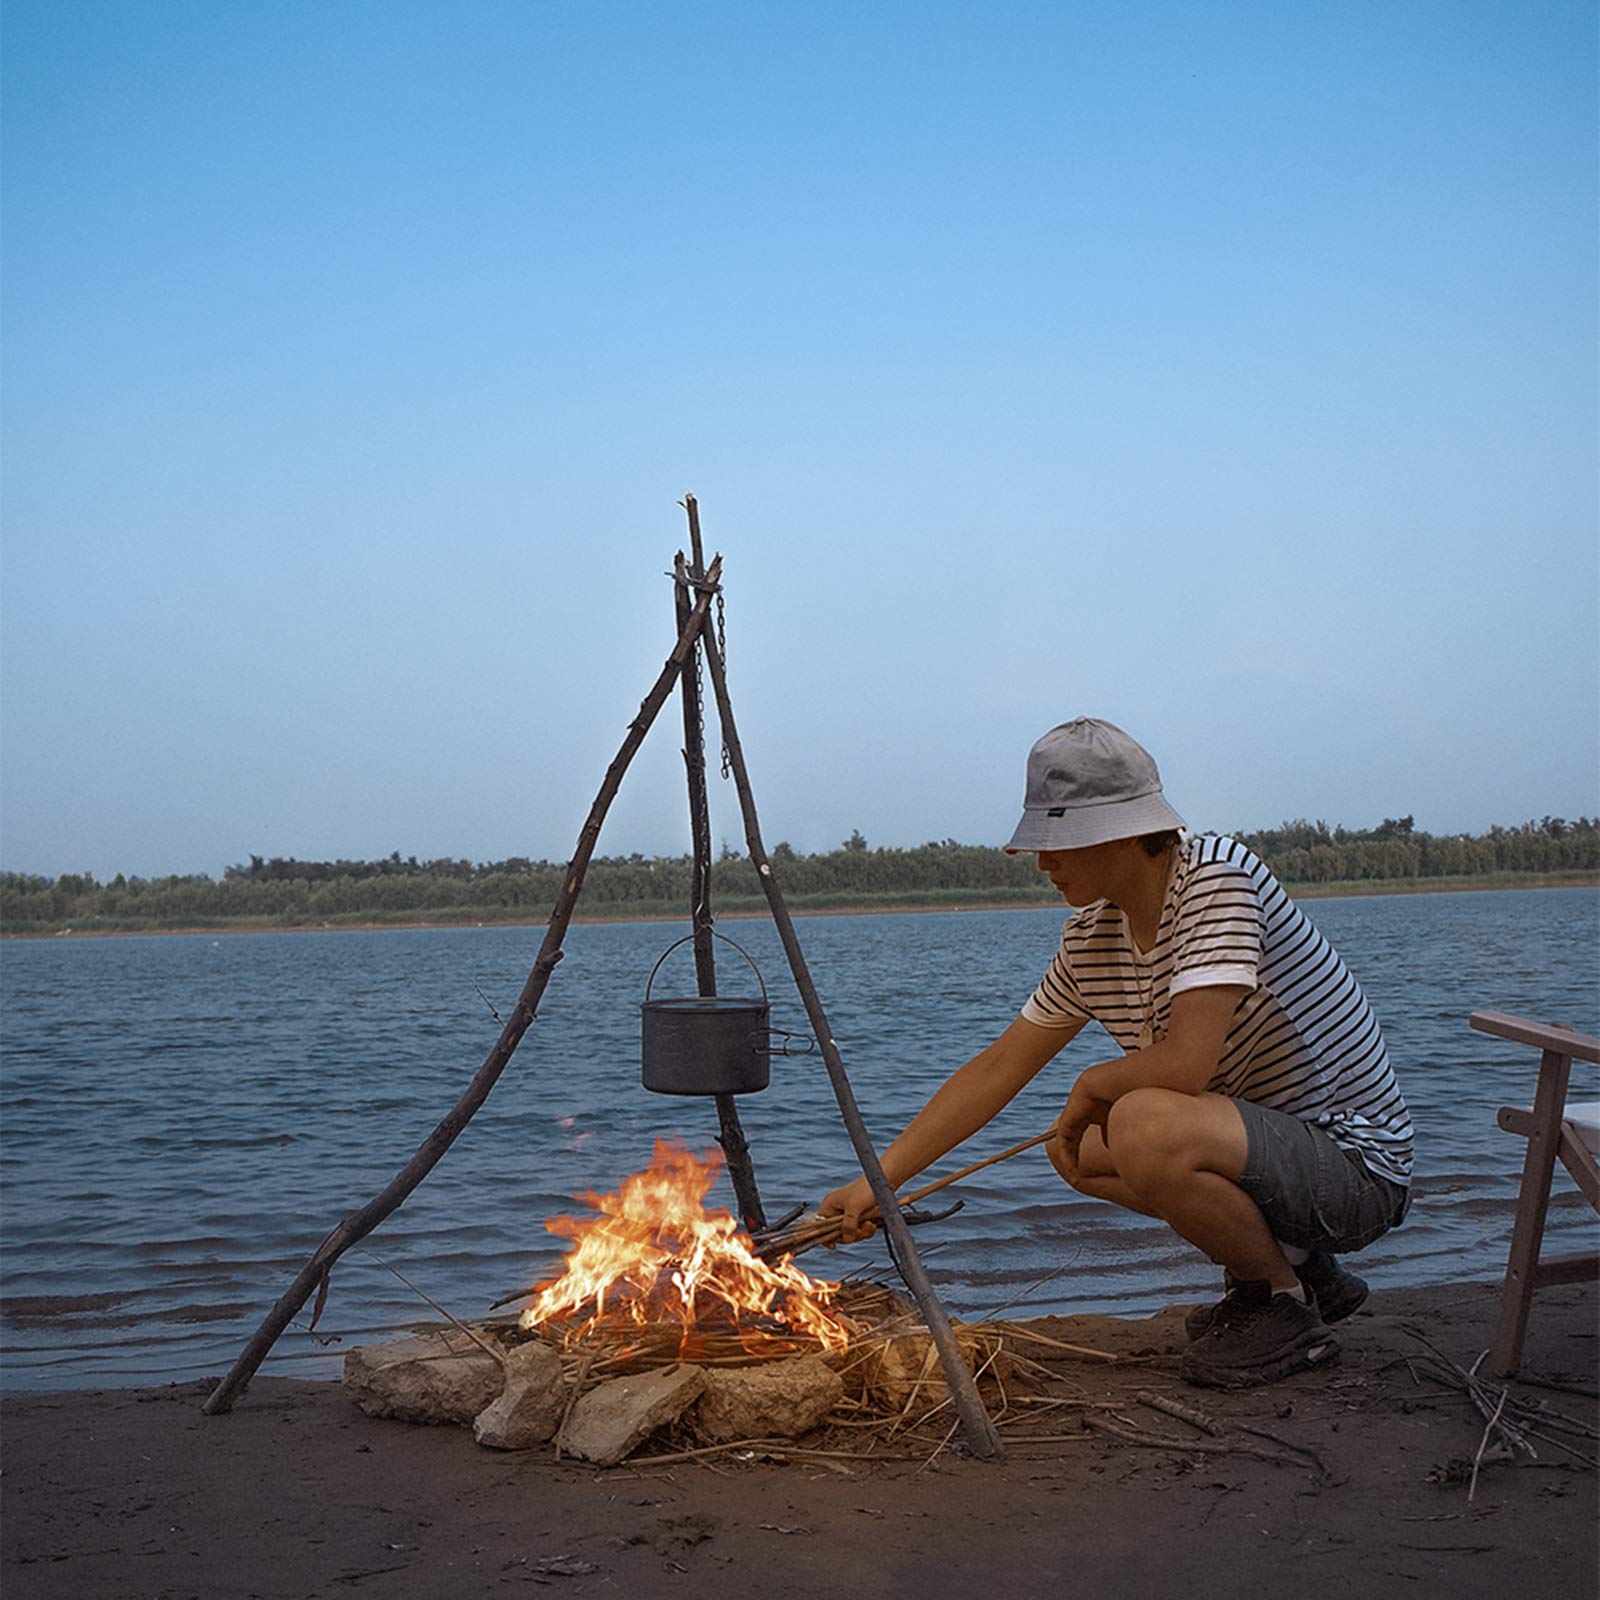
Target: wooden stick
{"x":360,"y":1223}
{"x":1051,"y":1438}
{"x":979,"y":1433}
{"x":819,"y":1231}
{"x":572,"y":1398}
{"x":1012,"y":1331}
{"x":1176,"y":1408}
{"x":776,"y":1447}
{"x":741,"y":1170}
{"x":1153,"y":1441}
{"x":977,"y":1166}
{"x":472,"y":1333}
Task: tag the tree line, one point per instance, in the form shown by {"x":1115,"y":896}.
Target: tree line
{"x":286,"y":892}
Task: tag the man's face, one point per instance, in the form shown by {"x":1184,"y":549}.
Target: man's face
{"x":1088,"y":874}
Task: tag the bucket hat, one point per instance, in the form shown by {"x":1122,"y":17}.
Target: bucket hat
{"x":1089,"y":782}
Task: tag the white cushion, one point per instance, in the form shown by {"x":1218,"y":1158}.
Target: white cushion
{"x":1585,"y":1119}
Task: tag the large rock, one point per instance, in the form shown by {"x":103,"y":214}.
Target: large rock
{"x":779,"y":1400}
{"x":611,"y":1420}
{"x":441,"y":1376}
{"x":528,"y":1411}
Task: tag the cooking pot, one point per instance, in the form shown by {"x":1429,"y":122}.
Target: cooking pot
{"x":709,"y":1044}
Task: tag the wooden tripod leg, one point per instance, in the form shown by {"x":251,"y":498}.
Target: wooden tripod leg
{"x":979,"y":1435}
{"x":360,"y":1223}
{"x":741,"y":1170}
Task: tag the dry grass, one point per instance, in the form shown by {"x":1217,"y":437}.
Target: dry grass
{"x":896,"y":1403}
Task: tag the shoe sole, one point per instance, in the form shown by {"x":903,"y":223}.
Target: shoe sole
{"x":1316,"y":1351}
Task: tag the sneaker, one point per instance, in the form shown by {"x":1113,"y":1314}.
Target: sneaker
{"x":1338,"y":1293}
{"x":1200,"y":1318}
{"x":1257,"y":1337}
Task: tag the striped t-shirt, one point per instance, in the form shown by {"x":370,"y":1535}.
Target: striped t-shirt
{"x":1303,"y":1041}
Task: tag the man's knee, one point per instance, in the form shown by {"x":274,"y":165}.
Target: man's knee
{"x":1153,"y":1131}
{"x":1148,"y":1125}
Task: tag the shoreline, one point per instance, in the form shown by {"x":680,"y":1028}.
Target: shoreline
{"x":1345,"y":890}
{"x":296,"y":1493}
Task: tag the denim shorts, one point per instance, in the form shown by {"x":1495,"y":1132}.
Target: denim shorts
{"x":1314,"y":1194}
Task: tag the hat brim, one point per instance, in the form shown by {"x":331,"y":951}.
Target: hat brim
{"x":1073,"y":827}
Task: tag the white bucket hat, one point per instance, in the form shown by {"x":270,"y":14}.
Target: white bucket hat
{"x":1089,"y":782}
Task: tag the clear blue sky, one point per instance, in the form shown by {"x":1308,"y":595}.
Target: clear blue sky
{"x":1228,"y":371}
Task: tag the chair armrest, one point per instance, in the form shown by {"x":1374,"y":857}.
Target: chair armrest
{"x":1520,"y":1030}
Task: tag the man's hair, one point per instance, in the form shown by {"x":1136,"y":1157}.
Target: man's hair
{"x":1155,"y":843}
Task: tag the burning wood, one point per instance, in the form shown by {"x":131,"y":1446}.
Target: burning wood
{"x":654,"y":1268}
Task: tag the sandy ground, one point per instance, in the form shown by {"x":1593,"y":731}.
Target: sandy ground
{"x":297,"y":1494}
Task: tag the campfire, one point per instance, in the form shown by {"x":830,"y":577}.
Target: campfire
{"x":656,"y":1275}
{"x":664,"y":1321}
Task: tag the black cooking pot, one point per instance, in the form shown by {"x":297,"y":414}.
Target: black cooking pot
{"x":709,"y":1044}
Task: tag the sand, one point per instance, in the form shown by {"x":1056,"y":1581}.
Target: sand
{"x":297,"y":1494}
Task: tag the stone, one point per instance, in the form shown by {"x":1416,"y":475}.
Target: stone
{"x":617,"y":1416}
{"x":440,"y":1376}
{"x":529,"y":1409}
{"x":777,"y":1400}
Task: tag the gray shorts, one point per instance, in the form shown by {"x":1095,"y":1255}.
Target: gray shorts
{"x":1313,"y":1193}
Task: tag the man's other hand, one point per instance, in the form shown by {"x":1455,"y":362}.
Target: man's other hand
{"x":1081,"y":1112}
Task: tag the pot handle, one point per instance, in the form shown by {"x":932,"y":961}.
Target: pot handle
{"x":783,"y":1050}
{"x":715,"y":935}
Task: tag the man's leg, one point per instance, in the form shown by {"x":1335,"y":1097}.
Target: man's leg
{"x":1097,"y":1174}
{"x":1179,"y":1157}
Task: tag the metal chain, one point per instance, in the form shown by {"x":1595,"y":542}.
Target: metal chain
{"x":702,"y":912}
{"x":722,"y":656}
{"x":699,"y":684}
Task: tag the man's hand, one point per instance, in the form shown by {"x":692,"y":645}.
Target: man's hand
{"x":1083,"y":1110}
{"x":855,"y":1204}
{"x":967,"y":1099}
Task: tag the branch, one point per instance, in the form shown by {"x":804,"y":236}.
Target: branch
{"x":360,"y":1223}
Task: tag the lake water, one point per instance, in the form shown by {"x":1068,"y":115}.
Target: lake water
{"x":185,"y":1117}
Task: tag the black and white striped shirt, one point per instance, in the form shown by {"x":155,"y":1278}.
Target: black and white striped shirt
{"x":1303,"y":1041}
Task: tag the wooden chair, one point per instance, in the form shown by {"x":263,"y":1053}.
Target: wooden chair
{"x":1554,"y":1130}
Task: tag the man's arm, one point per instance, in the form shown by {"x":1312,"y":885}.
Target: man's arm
{"x":1185,"y":1061}
{"x":968,"y":1099}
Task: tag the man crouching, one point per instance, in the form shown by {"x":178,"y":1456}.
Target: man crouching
{"x":1253,"y":1109}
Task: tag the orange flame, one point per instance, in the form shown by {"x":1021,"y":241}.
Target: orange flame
{"x":653,"y":1254}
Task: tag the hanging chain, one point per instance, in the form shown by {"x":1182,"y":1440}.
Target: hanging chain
{"x":722,"y":656}
{"x":699,"y":684}
{"x":701,"y":913}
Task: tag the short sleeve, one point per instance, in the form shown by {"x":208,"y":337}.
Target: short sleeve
{"x":1218,"y":933}
{"x":1057,"y":1003}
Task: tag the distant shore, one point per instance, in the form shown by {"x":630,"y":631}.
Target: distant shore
{"x":738,"y":910}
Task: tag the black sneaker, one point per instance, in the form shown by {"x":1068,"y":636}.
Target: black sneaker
{"x":1201,"y":1317}
{"x":1338,"y":1293}
{"x":1257,"y":1337}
